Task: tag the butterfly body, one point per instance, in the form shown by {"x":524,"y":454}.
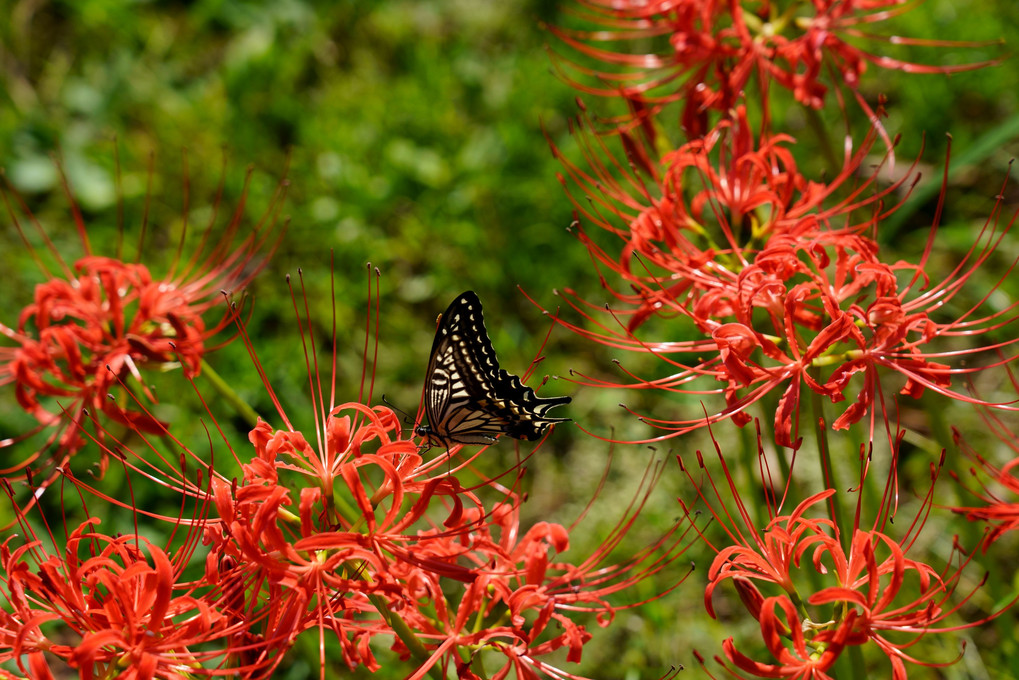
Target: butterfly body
{"x":468,"y":398}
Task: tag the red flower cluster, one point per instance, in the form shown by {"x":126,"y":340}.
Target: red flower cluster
{"x":101,"y":604}
{"x":361,"y":536}
{"x":878,"y":594}
{"x":781,"y":290}
{"x":355,"y":536}
{"x":105,"y":321}
{"x":717,"y":50}
{"x":362,"y":557}
{"x":748,"y":280}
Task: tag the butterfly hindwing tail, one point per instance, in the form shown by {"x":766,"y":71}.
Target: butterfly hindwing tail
{"x":527,"y":410}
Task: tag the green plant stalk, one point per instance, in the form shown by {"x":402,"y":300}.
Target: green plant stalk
{"x":828,"y":472}
{"x":406,"y":635}
{"x":857,"y":668}
{"x":751,"y":462}
{"x":224,"y":390}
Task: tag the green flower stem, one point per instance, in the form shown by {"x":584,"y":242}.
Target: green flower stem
{"x":224,"y":390}
{"x":406,"y":635}
{"x":348,"y":511}
{"x":752,"y":462}
{"x":801,"y":606}
{"x":857,"y":668}
{"x":828,"y":471}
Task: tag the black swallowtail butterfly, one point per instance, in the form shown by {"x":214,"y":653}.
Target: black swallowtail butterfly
{"x":468,"y":398}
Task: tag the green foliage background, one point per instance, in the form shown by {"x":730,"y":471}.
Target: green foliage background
{"x":414,"y":135}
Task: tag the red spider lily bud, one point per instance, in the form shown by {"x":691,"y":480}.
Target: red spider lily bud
{"x":749,"y":595}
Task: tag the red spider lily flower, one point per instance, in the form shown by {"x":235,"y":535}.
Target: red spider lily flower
{"x":999,"y":495}
{"x":879,"y":596}
{"x":308,"y":537}
{"x":350,"y":532}
{"x":693,"y":219}
{"x":717,"y":49}
{"x":318,"y":569}
{"x":783,"y":634}
{"x":777,"y":291}
{"x":996,"y":486}
{"x":104,"y":320}
{"x":533,"y":598}
{"x":105,"y":607}
{"x":327,"y":556}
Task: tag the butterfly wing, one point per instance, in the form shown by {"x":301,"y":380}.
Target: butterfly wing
{"x":468,"y":398}
{"x":453,"y":414}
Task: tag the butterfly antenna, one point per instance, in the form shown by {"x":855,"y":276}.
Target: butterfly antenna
{"x":393,"y":407}
{"x":424,"y":388}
